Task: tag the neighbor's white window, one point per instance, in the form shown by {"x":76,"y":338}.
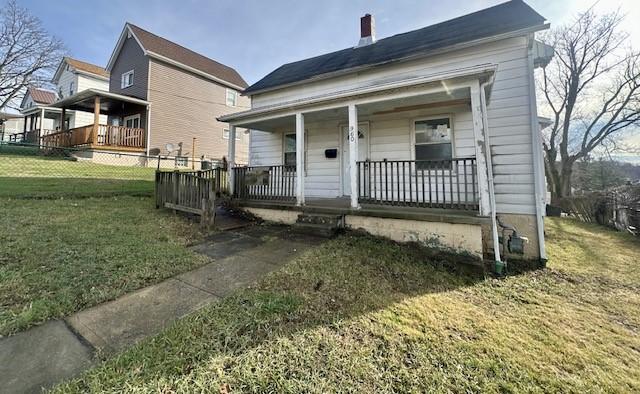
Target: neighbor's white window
{"x":127,"y":79}
{"x":433,"y":139}
{"x":225,"y":134}
{"x":132,"y":121}
{"x":289,"y":149}
{"x":71,"y":89}
{"x":232,"y":98}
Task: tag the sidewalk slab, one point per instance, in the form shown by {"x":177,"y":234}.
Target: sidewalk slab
{"x":121,"y":323}
{"x":41,"y":357}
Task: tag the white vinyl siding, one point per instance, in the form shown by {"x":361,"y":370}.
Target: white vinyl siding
{"x":390,"y":137}
{"x":508,"y":117}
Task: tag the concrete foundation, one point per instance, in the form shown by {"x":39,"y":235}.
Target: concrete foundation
{"x":526,"y":226}
{"x":460,"y":238}
{"x":456,"y":237}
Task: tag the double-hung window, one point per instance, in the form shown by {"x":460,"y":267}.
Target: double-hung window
{"x":433,"y":138}
{"x":225,"y":134}
{"x":232,"y":98}
{"x":289,"y":149}
{"x":127,"y":79}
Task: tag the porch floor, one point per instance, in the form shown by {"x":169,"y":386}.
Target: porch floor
{"x":341,"y":206}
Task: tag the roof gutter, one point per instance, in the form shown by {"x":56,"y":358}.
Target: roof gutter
{"x":467,"y":44}
{"x":85,"y":94}
{"x":465,"y":72}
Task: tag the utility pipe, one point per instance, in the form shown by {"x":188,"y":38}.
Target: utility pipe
{"x":492,"y":197}
{"x":536,"y":142}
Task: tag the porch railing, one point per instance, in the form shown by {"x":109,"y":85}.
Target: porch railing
{"x":421,"y":183}
{"x":107,"y":135}
{"x":31,"y":136}
{"x":265,"y":183}
{"x":219,"y":178}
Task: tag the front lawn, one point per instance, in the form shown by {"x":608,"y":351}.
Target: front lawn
{"x":64,"y":255}
{"x":32,"y":176}
{"x":358,"y":314}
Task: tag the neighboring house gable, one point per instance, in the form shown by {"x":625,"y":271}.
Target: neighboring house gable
{"x":37,"y":96}
{"x":187,"y":91}
{"x":130,"y":63}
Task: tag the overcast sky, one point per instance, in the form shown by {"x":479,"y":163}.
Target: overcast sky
{"x":257,"y":36}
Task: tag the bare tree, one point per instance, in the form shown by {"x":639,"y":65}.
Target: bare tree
{"x":592,"y":88}
{"x":28,"y":53}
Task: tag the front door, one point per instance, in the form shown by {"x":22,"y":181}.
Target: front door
{"x":363,"y":153}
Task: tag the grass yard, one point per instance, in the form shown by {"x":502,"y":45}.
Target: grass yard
{"x":24,"y":175}
{"x":64,"y":255}
{"x":359,"y":314}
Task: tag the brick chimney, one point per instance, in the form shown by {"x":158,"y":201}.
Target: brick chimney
{"x":367,"y":30}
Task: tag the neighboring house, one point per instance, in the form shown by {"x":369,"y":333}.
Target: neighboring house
{"x":39,"y":116}
{"x":163,"y":95}
{"x":422,"y":136}
{"x":11,"y":125}
{"x":71,"y":77}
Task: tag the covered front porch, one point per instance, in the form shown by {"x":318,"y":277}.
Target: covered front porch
{"x":124,"y":131}
{"x":404,"y":150}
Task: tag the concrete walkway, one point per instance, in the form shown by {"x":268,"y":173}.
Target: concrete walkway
{"x":58,"y":350}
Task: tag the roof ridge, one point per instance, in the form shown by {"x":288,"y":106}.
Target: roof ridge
{"x":506,"y":17}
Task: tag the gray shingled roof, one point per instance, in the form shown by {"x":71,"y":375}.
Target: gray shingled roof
{"x":503,"y":18}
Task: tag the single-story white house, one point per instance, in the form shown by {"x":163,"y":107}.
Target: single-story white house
{"x":430,"y":135}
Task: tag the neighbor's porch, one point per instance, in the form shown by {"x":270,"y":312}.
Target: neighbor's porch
{"x":410,"y":151}
{"x":125,"y":129}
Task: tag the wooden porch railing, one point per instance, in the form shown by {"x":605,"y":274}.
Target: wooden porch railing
{"x":265,"y":183}
{"x":106,"y":136}
{"x":421,"y":183}
{"x":120,"y":136}
{"x":219,"y":178}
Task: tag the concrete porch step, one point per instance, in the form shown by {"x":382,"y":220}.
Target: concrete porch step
{"x":317,"y":224}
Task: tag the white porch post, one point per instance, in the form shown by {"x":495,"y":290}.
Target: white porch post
{"x":353,"y":154}
{"x":299,"y":158}
{"x":479,"y":136}
{"x":231,"y":159}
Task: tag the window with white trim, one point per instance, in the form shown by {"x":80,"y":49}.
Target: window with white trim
{"x":433,"y":139}
{"x":289,"y":149}
{"x":71,"y":86}
{"x":232,"y":98}
{"x":132,"y":121}
{"x":225,"y":134}
{"x":127,"y":79}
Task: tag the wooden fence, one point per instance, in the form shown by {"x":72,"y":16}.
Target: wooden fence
{"x":186,"y":192}
{"x":618,"y":208}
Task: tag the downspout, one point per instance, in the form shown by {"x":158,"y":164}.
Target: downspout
{"x":499,"y":264}
{"x":536,"y":142}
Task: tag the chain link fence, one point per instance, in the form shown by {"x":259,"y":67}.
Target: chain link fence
{"x":30,"y":171}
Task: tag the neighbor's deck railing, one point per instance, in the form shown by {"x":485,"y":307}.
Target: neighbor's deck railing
{"x":106,"y":136}
{"x":265,"y":183}
{"x":421,"y":183}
